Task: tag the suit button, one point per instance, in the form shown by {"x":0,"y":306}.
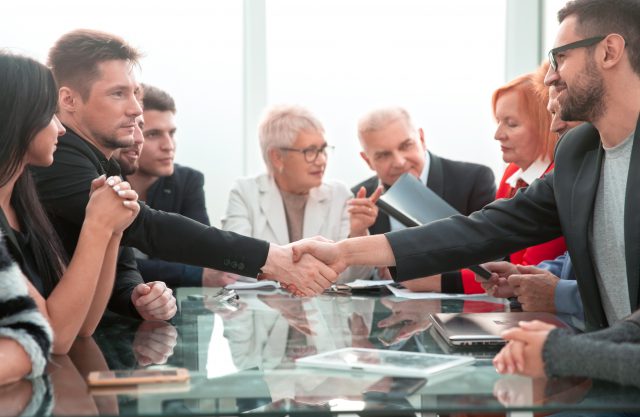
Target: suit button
{"x":226,"y":262}
{"x":240,"y":266}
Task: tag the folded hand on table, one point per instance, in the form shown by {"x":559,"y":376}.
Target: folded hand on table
{"x":523,"y":353}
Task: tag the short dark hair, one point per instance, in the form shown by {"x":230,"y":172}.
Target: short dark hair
{"x":602,"y":17}
{"x":74,"y":58}
{"x":157,"y":99}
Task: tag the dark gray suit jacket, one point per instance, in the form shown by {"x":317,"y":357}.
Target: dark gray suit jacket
{"x":560,"y":203}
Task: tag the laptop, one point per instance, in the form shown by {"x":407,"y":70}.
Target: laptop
{"x":483,"y":329}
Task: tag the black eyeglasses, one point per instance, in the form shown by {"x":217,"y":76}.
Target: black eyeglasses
{"x":311,"y":153}
{"x":573,"y":45}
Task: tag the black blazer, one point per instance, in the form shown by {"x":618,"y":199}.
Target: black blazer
{"x":182,"y":193}
{"x":466,"y":186}
{"x":560,"y":203}
{"x":64,"y":190}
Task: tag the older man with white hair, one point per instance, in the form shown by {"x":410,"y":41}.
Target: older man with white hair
{"x":392,"y":146}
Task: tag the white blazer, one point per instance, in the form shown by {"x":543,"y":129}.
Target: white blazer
{"x":255,"y":209}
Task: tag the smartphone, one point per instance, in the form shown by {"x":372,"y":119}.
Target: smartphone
{"x":137,"y":377}
{"x":142,"y":389}
{"x":393,"y":387}
{"x":481,"y":271}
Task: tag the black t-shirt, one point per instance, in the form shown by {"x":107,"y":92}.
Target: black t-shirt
{"x":27,"y":261}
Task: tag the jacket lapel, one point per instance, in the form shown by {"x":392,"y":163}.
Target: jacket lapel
{"x":435,"y":180}
{"x":161,"y":193}
{"x":272,"y":209}
{"x":316,"y":210}
{"x":632,"y":221}
{"x":582,"y":203}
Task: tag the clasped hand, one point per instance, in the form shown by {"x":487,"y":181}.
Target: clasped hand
{"x":306,"y":267}
{"x":112,"y":204}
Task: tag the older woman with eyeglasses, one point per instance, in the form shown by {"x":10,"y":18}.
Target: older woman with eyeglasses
{"x":292,"y":201}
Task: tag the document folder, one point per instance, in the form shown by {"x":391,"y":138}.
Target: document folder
{"x":412,"y":203}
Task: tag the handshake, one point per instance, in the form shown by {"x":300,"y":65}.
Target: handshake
{"x":306,"y":267}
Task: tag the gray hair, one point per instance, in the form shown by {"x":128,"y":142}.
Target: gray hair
{"x":380,"y":118}
{"x":281,"y":125}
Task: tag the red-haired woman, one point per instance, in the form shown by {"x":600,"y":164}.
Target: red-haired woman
{"x":527,"y":144}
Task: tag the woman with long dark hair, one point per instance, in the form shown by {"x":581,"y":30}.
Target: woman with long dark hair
{"x":71,"y":296}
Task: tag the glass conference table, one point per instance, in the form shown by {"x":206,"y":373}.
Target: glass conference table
{"x":242,"y":361}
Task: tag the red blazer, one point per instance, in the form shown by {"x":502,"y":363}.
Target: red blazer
{"x":530,"y":256}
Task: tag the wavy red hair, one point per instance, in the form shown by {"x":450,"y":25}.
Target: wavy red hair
{"x":534,"y":96}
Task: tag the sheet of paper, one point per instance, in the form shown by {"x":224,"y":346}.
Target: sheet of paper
{"x":248,"y":285}
{"x":367,"y":283}
{"x":405,"y":293}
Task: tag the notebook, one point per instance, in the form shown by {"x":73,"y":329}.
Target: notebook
{"x":482,"y":329}
{"x":413,"y":204}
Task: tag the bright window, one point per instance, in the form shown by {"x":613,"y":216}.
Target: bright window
{"x":441,"y":60}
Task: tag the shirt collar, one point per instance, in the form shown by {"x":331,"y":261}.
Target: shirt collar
{"x":424,"y":175}
{"x":535,"y":171}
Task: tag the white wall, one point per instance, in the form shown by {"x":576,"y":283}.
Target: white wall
{"x":550,"y":22}
{"x":193,"y":50}
{"x":439,"y":59}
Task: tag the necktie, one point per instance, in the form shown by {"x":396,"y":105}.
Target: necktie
{"x":519,"y":184}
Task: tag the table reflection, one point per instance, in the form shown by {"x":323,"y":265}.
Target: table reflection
{"x":282,"y":328}
{"x":242,"y":359}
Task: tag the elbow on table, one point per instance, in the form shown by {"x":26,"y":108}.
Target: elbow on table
{"x":62,"y":344}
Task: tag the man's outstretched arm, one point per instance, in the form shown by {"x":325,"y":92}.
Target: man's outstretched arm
{"x":307,"y":276}
{"x":367,"y":250}
{"x":502,"y":227}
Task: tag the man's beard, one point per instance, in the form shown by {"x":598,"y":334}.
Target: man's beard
{"x":113,"y":142}
{"x":586,"y":99}
{"x":126,"y":168}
